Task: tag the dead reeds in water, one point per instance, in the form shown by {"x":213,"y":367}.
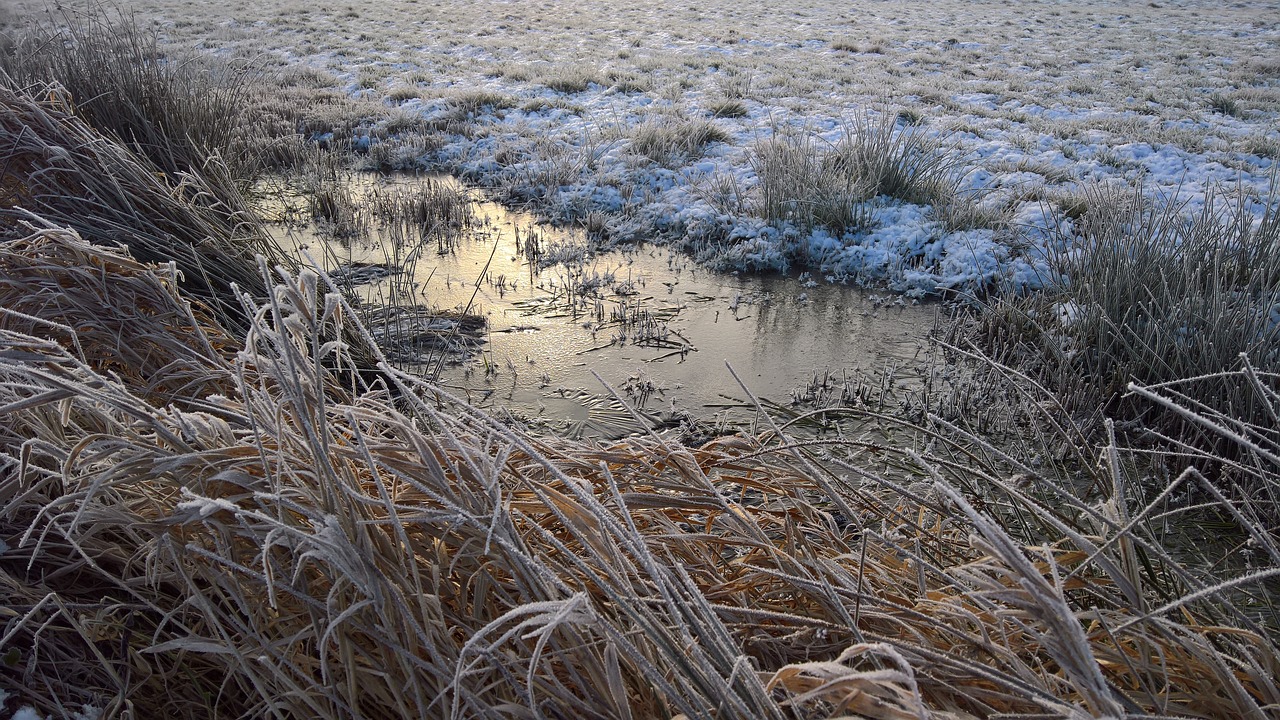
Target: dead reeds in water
{"x":287,"y":547}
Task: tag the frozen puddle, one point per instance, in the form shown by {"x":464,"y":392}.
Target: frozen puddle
{"x":657,"y":329}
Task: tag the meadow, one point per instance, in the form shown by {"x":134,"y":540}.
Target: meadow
{"x":222,"y":496}
{"x":711,"y":126}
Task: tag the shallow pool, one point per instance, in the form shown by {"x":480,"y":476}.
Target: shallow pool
{"x":571,"y":335}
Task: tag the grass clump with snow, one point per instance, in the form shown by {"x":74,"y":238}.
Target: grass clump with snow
{"x":570,"y":79}
{"x":893,"y":157}
{"x":811,"y":183}
{"x":797,"y":185}
{"x":672,"y":143}
{"x":727,"y":108}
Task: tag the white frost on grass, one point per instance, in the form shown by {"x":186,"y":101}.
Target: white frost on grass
{"x":1041,"y":99}
{"x":88,"y":712}
{"x":26,"y":712}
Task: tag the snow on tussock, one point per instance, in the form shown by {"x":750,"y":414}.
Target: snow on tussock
{"x":1040,"y":98}
{"x":905,"y":247}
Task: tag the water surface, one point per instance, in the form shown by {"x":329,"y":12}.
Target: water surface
{"x":564,"y":340}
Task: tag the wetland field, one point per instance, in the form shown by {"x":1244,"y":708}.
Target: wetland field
{"x":709,"y":360}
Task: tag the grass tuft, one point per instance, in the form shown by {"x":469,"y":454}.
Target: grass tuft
{"x":571,"y":79}
{"x":478,"y":102}
{"x":899,"y":161}
{"x":176,"y":111}
{"x":806,"y":181}
{"x":1224,"y":105}
{"x":1145,"y":292}
{"x":728,"y":108}
{"x":672,"y":143}
{"x":59,"y":168}
{"x":796,"y":185}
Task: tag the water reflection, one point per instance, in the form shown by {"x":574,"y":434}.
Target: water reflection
{"x":650,"y":324}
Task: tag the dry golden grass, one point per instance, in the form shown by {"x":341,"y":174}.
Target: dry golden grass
{"x":129,"y":333}
{"x":285,"y":543}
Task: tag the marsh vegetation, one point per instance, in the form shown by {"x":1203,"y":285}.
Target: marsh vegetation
{"x":235,"y":481}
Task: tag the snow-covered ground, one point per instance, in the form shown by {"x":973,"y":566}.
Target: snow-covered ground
{"x":543,"y":101}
